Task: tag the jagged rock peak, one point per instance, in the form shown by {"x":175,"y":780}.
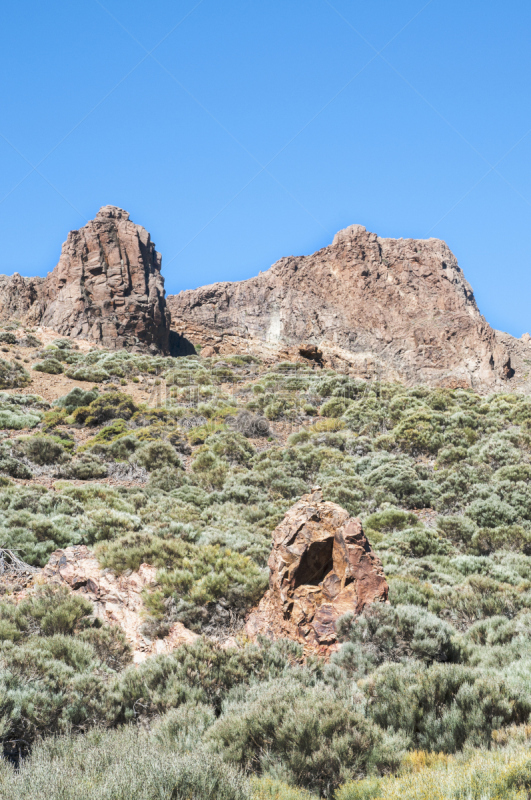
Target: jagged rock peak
{"x":111,"y":212}
{"x":107,"y":286}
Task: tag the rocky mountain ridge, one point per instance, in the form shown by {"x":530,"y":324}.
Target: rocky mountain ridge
{"x":398,"y":309}
{"x":392,"y":309}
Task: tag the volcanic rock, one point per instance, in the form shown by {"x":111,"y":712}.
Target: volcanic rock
{"x":107,"y":288}
{"x":117,"y":599}
{"x":396,"y":309}
{"x":321,"y":567}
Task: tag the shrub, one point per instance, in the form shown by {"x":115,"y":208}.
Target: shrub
{"x":49,"y":365}
{"x":16,"y":421}
{"x":391,"y":519}
{"x":313,"y":738}
{"x":85,"y":468}
{"x":156,"y":455}
{"x":251,"y":425}
{"x":383,"y":633}
{"x":120,"y":764}
{"x":112,"y":405}
{"x":50,"y":610}
{"x":92,"y":373}
{"x":6,"y":337}
{"x":166,"y":479}
{"x":75,"y":399}
{"x":195,"y":576}
{"x":232,"y":446}
{"x":42,"y":449}
{"x":442,"y":707}
{"x":491,"y":512}
{"x":13,"y":375}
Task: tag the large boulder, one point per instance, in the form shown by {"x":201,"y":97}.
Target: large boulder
{"x":321,"y":567}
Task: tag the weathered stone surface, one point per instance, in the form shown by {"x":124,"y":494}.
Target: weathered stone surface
{"x":117,"y":599}
{"x":397,"y":308}
{"x":20,"y":298}
{"x":106,"y":288}
{"x":321,"y":567}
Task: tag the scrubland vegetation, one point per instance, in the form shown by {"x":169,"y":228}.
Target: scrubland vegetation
{"x":428,"y":697}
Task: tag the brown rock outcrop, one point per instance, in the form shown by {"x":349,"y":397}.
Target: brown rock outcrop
{"x":397,"y":308}
{"x":117,"y":599}
{"x":20,"y":298}
{"x":321,"y":567}
{"x":107,"y":287}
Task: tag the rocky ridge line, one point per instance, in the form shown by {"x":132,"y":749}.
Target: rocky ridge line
{"x":397,"y":309}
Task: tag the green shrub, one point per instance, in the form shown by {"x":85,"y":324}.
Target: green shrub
{"x":90,"y":373}
{"x":194,"y":576}
{"x":443,"y":707}
{"x":156,"y":455}
{"x":13,"y":375}
{"x":166,"y":479}
{"x":383,"y":633}
{"x":6,"y":337}
{"x":17,"y":421}
{"x":85,"y":468}
{"x":120,"y":764}
{"x":76,"y":398}
{"x":316,"y":740}
{"x":112,"y":405}
{"x":391,"y":519}
{"x":42,"y":449}
{"x":50,"y":365}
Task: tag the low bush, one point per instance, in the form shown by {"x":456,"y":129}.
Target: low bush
{"x":306,"y":734}
{"x":50,"y":365}
{"x":90,"y":373}
{"x":111,"y":405}
{"x":85,"y":468}
{"x":42,"y":450}
{"x":13,"y":375}
{"x":157,"y":455}
{"x":76,"y":398}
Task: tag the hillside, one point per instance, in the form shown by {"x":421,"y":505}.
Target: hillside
{"x":189,"y":465}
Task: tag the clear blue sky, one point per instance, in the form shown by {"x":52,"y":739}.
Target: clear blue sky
{"x":238,"y":132}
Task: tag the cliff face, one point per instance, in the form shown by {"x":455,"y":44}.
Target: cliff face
{"x":399,"y":308}
{"x":106,"y":288}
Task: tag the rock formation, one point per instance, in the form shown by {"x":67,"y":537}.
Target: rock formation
{"x":321,"y":567}
{"x":117,"y":599}
{"x":106,"y":288}
{"x":400,"y":309}
{"x":20,"y":298}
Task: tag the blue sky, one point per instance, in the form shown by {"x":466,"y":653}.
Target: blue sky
{"x":244,"y":131}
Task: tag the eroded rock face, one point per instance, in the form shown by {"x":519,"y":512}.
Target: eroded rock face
{"x":107,"y":286}
{"x":321,"y":567}
{"x":117,"y":599}
{"x":400,"y":309}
